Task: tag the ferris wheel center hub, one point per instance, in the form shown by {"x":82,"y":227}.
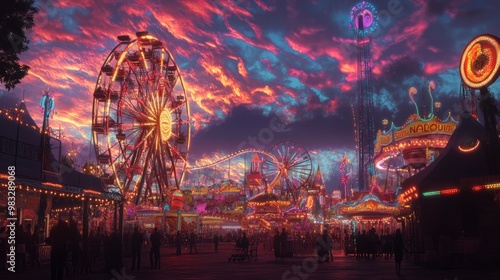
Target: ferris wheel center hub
{"x":165,"y":124}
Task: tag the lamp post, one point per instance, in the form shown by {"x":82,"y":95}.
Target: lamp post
{"x":18,"y":113}
{"x":437,"y":106}
{"x":385,"y":122}
{"x":47,"y":106}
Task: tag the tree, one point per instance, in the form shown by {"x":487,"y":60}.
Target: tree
{"x":16,"y":16}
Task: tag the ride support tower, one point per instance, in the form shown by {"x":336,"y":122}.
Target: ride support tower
{"x":363,"y":23}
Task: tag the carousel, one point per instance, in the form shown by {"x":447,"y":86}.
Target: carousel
{"x":371,"y":210}
{"x":402,"y":151}
{"x":267,"y":211}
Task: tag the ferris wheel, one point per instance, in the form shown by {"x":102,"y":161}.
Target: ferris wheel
{"x":140,"y":120}
{"x":288,"y":169}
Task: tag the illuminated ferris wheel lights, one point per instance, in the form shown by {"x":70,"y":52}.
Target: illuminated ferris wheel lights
{"x":134,"y":117}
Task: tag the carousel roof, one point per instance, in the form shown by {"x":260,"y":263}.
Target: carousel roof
{"x":268,"y":200}
{"x":369,"y":206}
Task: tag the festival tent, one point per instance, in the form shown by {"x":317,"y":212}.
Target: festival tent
{"x":464,"y":161}
{"x":455,"y":201}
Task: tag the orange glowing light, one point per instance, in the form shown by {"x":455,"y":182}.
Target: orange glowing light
{"x":480,"y":63}
{"x":48,"y":184}
{"x":165,"y":124}
{"x":469,"y":149}
{"x":477,"y":188}
{"x":91,"y":192}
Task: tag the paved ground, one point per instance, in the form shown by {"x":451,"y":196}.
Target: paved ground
{"x":208,"y":265}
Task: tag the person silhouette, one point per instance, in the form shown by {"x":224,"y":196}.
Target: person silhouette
{"x":216,"y":243}
{"x":58,"y":239}
{"x":136,"y":244}
{"x":192,"y":242}
{"x":398,"y":250}
{"x":178,"y":243}
{"x":155,"y":249}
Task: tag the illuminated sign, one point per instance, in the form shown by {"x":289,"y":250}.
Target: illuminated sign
{"x":383,"y":140}
{"x":414,"y":128}
{"x":421,"y":128}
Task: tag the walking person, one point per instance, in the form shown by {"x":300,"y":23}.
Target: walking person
{"x":323,"y":247}
{"x":74,"y":245}
{"x":136,"y":244}
{"x":331,"y":240}
{"x":35,"y":242}
{"x":154,"y":254}
{"x":58,"y":240}
{"x":28,"y":241}
{"x":245,"y":243}
{"x":283,"y":241}
{"x":398,"y":250}
{"x":277,"y":245}
{"x":192,"y":242}
{"x":178,"y":243}
{"x":216,"y":243}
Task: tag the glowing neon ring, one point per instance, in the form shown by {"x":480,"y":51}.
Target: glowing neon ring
{"x":480,"y":62}
{"x":369,"y":14}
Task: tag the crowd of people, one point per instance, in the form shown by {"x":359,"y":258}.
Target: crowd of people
{"x":67,"y":256}
{"x":370,"y":245}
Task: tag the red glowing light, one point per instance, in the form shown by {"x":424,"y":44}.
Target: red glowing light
{"x":450,"y":191}
{"x":477,"y":188}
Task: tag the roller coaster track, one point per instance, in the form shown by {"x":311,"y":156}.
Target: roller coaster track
{"x":233,"y":155}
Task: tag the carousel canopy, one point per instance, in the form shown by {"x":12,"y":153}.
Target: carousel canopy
{"x":369,"y":206}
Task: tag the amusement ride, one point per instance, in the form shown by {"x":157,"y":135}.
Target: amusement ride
{"x":141,"y":131}
{"x":403,"y":151}
{"x":141,"y":134}
{"x":140,"y":120}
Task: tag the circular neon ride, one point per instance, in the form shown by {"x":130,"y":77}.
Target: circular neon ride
{"x":364,"y":17}
{"x":289,"y":169}
{"x":480,"y":64}
{"x":140,"y":120}
{"x":415,"y":144}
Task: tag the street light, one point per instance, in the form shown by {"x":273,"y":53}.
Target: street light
{"x":437,"y":106}
{"x":385,"y":122}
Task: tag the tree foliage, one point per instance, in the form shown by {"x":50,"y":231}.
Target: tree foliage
{"x":16,"y":17}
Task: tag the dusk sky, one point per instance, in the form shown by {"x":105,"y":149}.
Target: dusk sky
{"x":249,"y":65}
